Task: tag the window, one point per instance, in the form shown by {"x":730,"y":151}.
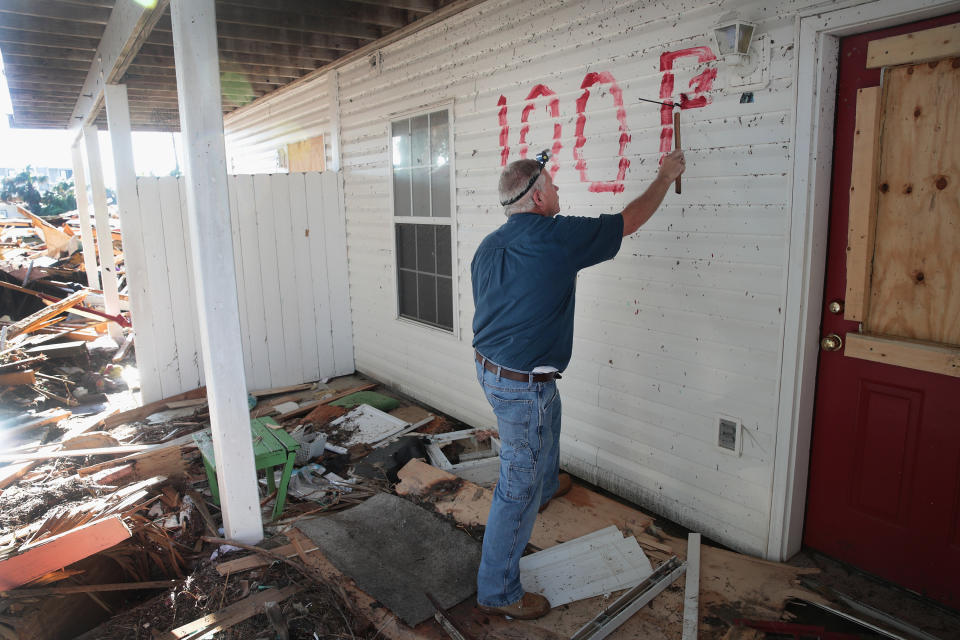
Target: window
{"x":420,"y":149}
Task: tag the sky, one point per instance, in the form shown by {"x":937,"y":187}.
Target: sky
{"x":153,"y":153}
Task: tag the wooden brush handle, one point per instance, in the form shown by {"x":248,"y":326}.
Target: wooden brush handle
{"x":676,"y":141}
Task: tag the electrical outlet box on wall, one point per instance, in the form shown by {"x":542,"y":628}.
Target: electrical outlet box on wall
{"x":729,"y":435}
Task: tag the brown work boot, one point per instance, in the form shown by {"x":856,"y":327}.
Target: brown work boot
{"x":564,"y":483}
{"x":530,"y":607}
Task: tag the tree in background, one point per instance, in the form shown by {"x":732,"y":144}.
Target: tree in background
{"x":59,"y":199}
{"x":23,"y":187}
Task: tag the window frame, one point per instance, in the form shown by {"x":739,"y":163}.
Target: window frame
{"x":451,"y":221}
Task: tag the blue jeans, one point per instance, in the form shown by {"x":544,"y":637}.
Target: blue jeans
{"x":528,"y":418}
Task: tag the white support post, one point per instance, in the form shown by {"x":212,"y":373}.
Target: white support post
{"x":691,"y":596}
{"x":108,"y":268}
{"x":211,"y":243}
{"x":83,"y":210}
{"x":118,"y":123}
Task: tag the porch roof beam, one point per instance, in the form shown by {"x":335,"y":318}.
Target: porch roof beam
{"x":125,"y":33}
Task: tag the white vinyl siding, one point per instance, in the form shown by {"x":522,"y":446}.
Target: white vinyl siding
{"x":684,"y":325}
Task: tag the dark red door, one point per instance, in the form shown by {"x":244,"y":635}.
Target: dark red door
{"x":884,"y":489}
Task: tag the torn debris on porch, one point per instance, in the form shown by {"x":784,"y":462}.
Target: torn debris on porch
{"x":112,"y":518}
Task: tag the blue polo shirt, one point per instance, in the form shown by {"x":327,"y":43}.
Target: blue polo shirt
{"x":524,"y":285}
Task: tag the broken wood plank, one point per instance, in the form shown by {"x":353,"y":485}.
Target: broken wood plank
{"x":51,"y":417}
{"x":28,"y":324}
{"x":691,"y":595}
{"x":255,"y":561}
{"x":134,"y":415}
{"x":578,"y":513}
{"x":180,"y":404}
{"x":18,"y":378}
{"x":75,"y":453}
{"x":165,"y":459}
{"x":272,"y":392}
{"x":62,"y":550}
{"x":85,"y":588}
{"x":310,"y":406}
{"x":228,"y":616}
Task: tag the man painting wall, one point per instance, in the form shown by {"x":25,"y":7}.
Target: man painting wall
{"x":524,"y":282}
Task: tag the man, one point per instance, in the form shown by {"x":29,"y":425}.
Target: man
{"x":524,"y":280}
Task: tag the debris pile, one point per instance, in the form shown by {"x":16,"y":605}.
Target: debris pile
{"x":108,"y":505}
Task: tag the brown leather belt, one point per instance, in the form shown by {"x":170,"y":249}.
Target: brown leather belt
{"x":519,"y":376}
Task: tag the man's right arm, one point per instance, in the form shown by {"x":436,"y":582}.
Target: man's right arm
{"x":642,"y":208}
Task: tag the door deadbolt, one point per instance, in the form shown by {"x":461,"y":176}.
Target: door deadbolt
{"x":836,"y":307}
{"x":831,"y":342}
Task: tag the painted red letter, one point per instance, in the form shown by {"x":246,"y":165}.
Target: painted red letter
{"x":597,"y":186}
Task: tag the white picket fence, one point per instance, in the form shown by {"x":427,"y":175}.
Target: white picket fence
{"x":289,"y":250}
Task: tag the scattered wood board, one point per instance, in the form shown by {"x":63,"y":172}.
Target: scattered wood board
{"x":75,"y":453}
{"x":255,"y":561}
{"x":34,"y":320}
{"x":62,"y":550}
{"x":140,"y":413}
{"x":228,"y":616}
{"x":88,"y":588}
{"x":278,"y":390}
{"x":310,"y":406}
{"x":18,"y":378}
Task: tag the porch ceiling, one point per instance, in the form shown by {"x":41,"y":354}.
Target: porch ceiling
{"x":48,"y":47}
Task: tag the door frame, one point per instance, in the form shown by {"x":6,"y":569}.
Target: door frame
{"x":817,"y":37}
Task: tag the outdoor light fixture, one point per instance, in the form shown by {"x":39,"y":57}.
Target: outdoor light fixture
{"x":733,"y":39}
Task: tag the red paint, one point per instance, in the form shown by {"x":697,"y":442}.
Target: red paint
{"x":700,"y":84}
{"x":504,"y":131}
{"x":601,"y":186}
{"x":704,"y":54}
{"x":884,"y":487}
{"x":553,"y":108}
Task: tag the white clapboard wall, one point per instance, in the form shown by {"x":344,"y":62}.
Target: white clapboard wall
{"x":289,"y":251}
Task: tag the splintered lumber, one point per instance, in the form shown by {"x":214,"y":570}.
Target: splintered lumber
{"x":310,"y":406}
{"x":228,"y":616}
{"x":62,"y":550}
{"x":42,"y":420}
{"x":255,"y":561}
{"x":18,"y":378}
{"x":278,"y":390}
{"x":578,"y":513}
{"x":75,"y":453}
{"x":34,"y":320}
{"x":133,"y":415}
{"x":88,"y":588}
{"x":166,"y":460}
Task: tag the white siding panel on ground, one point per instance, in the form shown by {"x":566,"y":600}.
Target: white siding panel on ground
{"x":292,"y":290}
{"x":687,"y":322}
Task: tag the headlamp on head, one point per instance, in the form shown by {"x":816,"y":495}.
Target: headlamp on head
{"x":542,"y":159}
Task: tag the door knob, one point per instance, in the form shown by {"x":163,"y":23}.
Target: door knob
{"x":831,"y":342}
